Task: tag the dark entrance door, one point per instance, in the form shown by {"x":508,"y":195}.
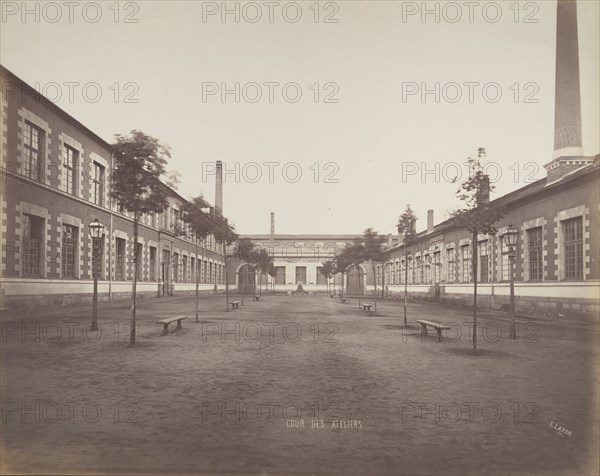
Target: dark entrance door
{"x":356,"y":281}
{"x":247,"y":279}
{"x":165,"y":265}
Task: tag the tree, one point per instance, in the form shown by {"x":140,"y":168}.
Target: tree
{"x":373,"y":252}
{"x":327,"y":271}
{"x":225,"y":235}
{"x":477,"y":215}
{"x":262,"y":266}
{"x":406,"y":228}
{"x":355,"y":255}
{"x":342,"y":264}
{"x":201,"y":226}
{"x":139,"y":164}
{"x":271,"y":271}
{"x":247,"y":253}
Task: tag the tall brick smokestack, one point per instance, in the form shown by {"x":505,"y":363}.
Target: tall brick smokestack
{"x":272,"y":226}
{"x":430,"y":221}
{"x":219,"y":188}
{"x":567,"y":105}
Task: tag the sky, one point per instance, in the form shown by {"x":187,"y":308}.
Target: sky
{"x":328,"y":128}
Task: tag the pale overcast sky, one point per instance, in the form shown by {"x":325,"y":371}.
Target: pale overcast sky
{"x":364,"y":141}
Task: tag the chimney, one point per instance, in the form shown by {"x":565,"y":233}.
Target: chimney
{"x":429,"y":221}
{"x":272,"y":226}
{"x":219,"y":188}
{"x":568,"y":150}
{"x":389,"y":240}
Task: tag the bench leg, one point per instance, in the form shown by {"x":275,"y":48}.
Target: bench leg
{"x":423,"y":332}
{"x":165,"y":329}
{"x":439,"y":334}
{"x":179,"y":324}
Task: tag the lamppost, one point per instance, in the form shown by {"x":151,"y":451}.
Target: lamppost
{"x":511,"y":236}
{"x":96,"y":229}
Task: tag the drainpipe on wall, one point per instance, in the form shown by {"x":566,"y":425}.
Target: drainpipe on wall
{"x":110,"y":237}
{"x":493,"y":243}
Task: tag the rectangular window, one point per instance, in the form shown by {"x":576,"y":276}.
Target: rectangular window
{"x":184,"y":261}
{"x":451,"y":271}
{"x":504,"y":260}
{"x":98,"y":184}
{"x":211,"y":271}
{"x":120,"y":259}
{"x":33,"y":228}
{"x":205,"y":274}
{"x":97,"y":255}
{"x":573,"y":243}
{"x":192,"y":269}
{"x":483,"y":262}
{"x":534,"y":252}
{"x":176,"y":268}
{"x":69,"y":249}
{"x":466,"y":264}
{"x":33,"y":137}
{"x":140,"y":259}
{"x":279,"y":274}
{"x":69,"y":170}
{"x":437,"y":266}
{"x":321,"y":278}
{"x":300,"y":274}
{"x":152,"y":270}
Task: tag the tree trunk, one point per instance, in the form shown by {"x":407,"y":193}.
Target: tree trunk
{"x":375,"y":293}
{"x":244,"y":282}
{"x":135,"y":275}
{"x":226,"y":286}
{"x":197,"y":283}
{"x":405,"y":285}
{"x":474,"y":263}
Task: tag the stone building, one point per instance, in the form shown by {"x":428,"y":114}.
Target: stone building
{"x":55,"y":180}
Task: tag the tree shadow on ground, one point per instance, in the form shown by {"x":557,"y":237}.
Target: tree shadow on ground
{"x":479,"y":353}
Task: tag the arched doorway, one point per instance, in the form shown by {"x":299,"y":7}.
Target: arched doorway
{"x":247,"y":279}
{"x":356,"y":281}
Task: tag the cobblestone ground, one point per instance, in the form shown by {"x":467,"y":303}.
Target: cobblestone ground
{"x":329,"y":389}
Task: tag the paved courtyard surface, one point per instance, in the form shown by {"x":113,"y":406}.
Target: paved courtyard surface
{"x":296,"y":385}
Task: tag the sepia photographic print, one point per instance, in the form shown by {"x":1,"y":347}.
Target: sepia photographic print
{"x":300,"y":237}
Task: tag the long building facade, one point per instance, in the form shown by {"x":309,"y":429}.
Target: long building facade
{"x":56,"y":179}
{"x":298,"y":262}
{"x":556,"y":267}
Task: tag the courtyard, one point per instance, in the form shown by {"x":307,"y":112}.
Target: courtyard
{"x":296,"y":385}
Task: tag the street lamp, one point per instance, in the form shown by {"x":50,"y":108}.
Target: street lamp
{"x":511,"y":236}
{"x":96,"y":229}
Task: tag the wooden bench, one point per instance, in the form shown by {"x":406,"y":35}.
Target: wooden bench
{"x":436,"y":325}
{"x":256,"y":297}
{"x":367,"y":306}
{"x":344,"y":299}
{"x":165,"y":322}
{"x":235,"y":304}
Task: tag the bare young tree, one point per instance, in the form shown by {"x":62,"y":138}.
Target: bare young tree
{"x":406,"y":227}
{"x":139,"y":166}
{"x":477,"y":216}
